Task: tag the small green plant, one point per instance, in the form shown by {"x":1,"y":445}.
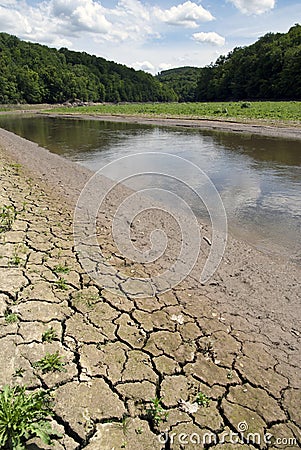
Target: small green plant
{"x":51,"y":362}
{"x":208,"y":350}
{"x":124,"y":424}
{"x":45,"y":258}
{"x":61,"y":284}
{"x":16,"y":259}
{"x":139,"y":430}
{"x":49,"y":335}
{"x":24,"y":415}
{"x":19,"y":372}
{"x":230,"y":375}
{"x":61,"y":269}
{"x":7,"y":216}
{"x":10,"y":317}
{"x":16,"y":167}
{"x":203,"y":400}
{"x":156,"y":413}
{"x":85,"y":297}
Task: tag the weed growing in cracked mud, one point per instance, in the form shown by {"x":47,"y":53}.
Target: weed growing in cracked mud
{"x":230,"y":375}
{"x":61,"y":284}
{"x":19,"y":372}
{"x":16,"y":167}
{"x":24,"y":415}
{"x":51,"y":362}
{"x":125,"y":424}
{"x":61,"y":269}
{"x":49,"y":335}
{"x":16,"y":259}
{"x":7,"y":216}
{"x":156,"y":413}
{"x":86,"y":298}
{"x":203,"y":400}
{"x":10,"y":317}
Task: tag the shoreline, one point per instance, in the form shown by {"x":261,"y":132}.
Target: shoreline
{"x":268,"y":129}
{"x":235,"y":339}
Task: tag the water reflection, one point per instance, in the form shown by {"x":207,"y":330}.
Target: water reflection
{"x":259,"y":178}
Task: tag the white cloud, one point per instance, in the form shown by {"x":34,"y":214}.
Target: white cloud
{"x":81,"y":15}
{"x":132,"y":8}
{"x":253,"y":6}
{"x":8,"y":21}
{"x":164,"y":66}
{"x":187,"y":14}
{"x":55,"y":21}
{"x":144,"y":65}
{"x":131,"y":20}
{"x":209,"y":38}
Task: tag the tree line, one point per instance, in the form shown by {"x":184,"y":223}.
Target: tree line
{"x":34,"y":73}
{"x":269,"y":69}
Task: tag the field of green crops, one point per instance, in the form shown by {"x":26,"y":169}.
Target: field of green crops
{"x":240,"y":111}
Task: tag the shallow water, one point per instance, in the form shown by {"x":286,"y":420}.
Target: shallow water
{"x":258,"y":178}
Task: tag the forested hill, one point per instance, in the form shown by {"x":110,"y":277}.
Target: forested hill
{"x":182,"y":80}
{"x":267,"y":70}
{"x":35,"y":73}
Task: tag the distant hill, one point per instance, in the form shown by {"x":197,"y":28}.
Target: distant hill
{"x":183,"y":80}
{"x":35,"y":73}
{"x":267,"y":70}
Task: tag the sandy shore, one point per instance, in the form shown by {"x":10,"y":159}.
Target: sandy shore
{"x":235,"y":339}
{"x":263,"y":128}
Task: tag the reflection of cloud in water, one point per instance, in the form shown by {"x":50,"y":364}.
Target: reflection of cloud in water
{"x":278,"y":203}
{"x":244,"y":193}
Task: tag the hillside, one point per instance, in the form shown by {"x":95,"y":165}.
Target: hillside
{"x":35,"y":73}
{"x":182,"y":80}
{"x":267,"y":70}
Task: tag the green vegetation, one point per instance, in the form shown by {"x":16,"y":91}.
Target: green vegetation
{"x":230,"y":375}
{"x":124,"y":424}
{"x":7,"y":216}
{"x":19,"y":372}
{"x":62,"y":269}
{"x":16,"y":167}
{"x":34,"y":73}
{"x":61,"y":284}
{"x":183,"y":80}
{"x":10,"y":317}
{"x":51,"y":362}
{"x":156,"y":413}
{"x":267,"y":70}
{"x":203,"y":400}
{"x":85,"y":298}
{"x":271,"y":111}
{"x":23,"y":416}
{"x":49,"y":335}
{"x":16,"y":259}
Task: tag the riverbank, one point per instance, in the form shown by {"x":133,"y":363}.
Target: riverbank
{"x":272,"y":119}
{"x":235,"y":340}
{"x":263,"y":128}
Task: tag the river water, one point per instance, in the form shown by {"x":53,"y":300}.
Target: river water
{"x":258,"y":178}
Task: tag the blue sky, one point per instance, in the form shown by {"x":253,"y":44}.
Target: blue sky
{"x":148,"y":34}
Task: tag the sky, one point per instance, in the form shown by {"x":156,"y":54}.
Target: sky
{"x":145,"y":34}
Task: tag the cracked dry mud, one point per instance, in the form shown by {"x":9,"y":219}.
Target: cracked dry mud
{"x":121,"y":352}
